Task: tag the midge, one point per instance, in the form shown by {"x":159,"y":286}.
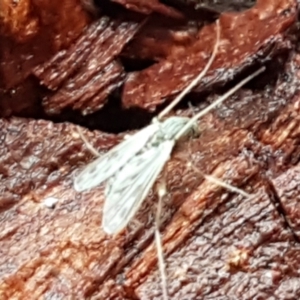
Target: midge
{"x":132,"y":167}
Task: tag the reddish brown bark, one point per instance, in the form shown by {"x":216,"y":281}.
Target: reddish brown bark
{"x":215,"y":242}
{"x":244,"y":37}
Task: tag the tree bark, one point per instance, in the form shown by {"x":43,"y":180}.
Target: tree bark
{"x":217,"y":244}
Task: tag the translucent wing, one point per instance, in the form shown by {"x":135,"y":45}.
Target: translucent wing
{"x":128,"y":188}
{"x":107,"y":165}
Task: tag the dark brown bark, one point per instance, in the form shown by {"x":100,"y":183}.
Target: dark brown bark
{"x":217,"y":244}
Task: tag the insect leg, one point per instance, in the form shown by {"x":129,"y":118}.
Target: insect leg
{"x":161,"y":191}
{"x":87,"y":143}
{"x":219,"y":182}
{"x":215,"y":180}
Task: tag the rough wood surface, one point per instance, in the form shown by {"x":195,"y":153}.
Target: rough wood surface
{"x":217,"y":244}
{"x":245,"y":37}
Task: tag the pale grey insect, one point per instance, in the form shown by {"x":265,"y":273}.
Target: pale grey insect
{"x":131,"y":168}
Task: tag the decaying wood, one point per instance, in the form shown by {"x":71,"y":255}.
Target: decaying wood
{"x":222,"y":5}
{"x":149,"y":6}
{"x":237,"y":50}
{"x":91,"y":69}
{"x":33,"y":31}
{"x":217,"y":244}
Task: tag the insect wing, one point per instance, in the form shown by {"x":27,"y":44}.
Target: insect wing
{"x":127,"y":190}
{"x":107,"y":165}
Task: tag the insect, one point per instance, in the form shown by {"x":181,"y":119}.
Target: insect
{"x":131,"y":168}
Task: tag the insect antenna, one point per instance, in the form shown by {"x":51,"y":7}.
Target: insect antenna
{"x":217,"y":102}
{"x":185,"y":91}
{"x":191,"y":85}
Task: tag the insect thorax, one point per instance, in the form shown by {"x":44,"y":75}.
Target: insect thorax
{"x":168,"y":129}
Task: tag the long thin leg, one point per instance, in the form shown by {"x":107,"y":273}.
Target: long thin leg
{"x":160,"y":255}
{"x":219,"y":182}
{"x":87,"y":143}
{"x":215,"y":180}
